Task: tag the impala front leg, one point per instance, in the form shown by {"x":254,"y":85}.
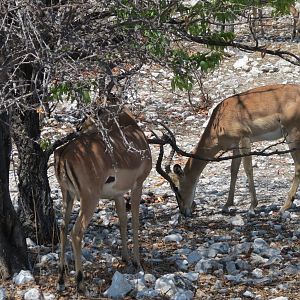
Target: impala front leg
{"x":135,"y":206}
{"x":121,"y":211}
{"x":84,"y":218}
{"x":235,"y":165}
{"x":247,"y":161}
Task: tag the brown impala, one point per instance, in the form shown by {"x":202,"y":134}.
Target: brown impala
{"x":97,"y":165}
{"x":264,"y":113}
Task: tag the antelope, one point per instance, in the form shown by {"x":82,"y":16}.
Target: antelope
{"x":98,"y":165}
{"x":263,"y":113}
{"x":295,"y":12}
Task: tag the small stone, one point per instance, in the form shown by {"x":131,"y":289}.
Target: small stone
{"x":149,"y":278}
{"x":234,"y":278}
{"x":205,"y":266}
{"x":138,"y":284}
{"x":218,"y":248}
{"x":248,"y":294}
{"x":165,"y":285}
{"x":243,"y":248}
{"x":258,"y":273}
{"x":120,"y":286}
{"x":33,"y":294}
{"x":286,"y":215}
{"x":50,"y":257}
{"x":183,"y":295}
{"x":237,"y":221}
{"x":49,"y":297}
{"x":280,"y":298}
{"x":175,"y":237}
{"x":190,"y":118}
{"x":147,"y":294}
{"x":231,"y":268}
{"x":23,"y":277}
{"x":2,"y":294}
{"x":242,"y":264}
{"x":260,"y":245}
{"x":196,"y":255}
{"x":30,"y":242}
{"x":191,"y":276}
{"x":241,"y":63}
{"x":182,"y":264}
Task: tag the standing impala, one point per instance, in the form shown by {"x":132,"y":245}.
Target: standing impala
{"x":102,"y":164}
{"x":264,"y":113}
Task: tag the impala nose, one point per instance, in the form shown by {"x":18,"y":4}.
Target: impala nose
{"x":187,"y":212}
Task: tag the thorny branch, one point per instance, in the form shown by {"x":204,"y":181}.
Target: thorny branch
{"x":170,"y":140}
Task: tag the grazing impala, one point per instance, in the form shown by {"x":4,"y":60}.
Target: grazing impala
{"x":264,"y":113}
{"x":102,"y":165}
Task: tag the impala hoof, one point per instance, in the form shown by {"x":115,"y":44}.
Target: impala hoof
{"x":251,"y":212}
{"x":225,"y":209}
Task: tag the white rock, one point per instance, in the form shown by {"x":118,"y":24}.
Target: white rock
{"x":249,"y":294}
{"x":120,"y":286}
{"x":190,"y":118}
{"x":149,"y":278}
{"x":30,"y":243}
{"x":23,"y":277}
{"x":165,"y":285}
{"x":260,"y":245}
{"x":182,"y":264}
{"x":183,"y":295}
{"x":138,"y":284}
{"x":258,"y":273}
{"x":280,"y":298}
{"x":147,"y":294}
{"x":241,"y":63}
{"x":49,"y":297}
{"x":2,"y":294}
{"x":175,"y":237}
{"x":237,"y":221}
{"x":191,"y":276}
{"x":255,"y":71}
{"x":49,"y":257}
{"x":33,"y":294}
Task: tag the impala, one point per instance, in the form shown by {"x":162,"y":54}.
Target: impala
{"x":101,"y":164}
{"x":263,"y":113}
{"x":295,"y":12}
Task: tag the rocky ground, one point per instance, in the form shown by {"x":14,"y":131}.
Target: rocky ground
{"x":210,"y":256}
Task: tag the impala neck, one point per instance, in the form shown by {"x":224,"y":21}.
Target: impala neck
{"x":194,"y":167}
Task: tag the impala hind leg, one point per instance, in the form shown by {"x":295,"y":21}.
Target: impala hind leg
{"x":235,"y":165}
{"x":296,"y":180}
{"x":122,"y":214}
{"x":83,"y":220}
{"x":68,"y":200}
{"x":247,"y":162}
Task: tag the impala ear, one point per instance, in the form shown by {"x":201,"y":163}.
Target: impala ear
{"x":178,"y":170}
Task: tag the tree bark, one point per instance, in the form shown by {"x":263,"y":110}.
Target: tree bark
{"x":36,"y":210}
{"x":13,"y":249}
{"x":36,"y":207}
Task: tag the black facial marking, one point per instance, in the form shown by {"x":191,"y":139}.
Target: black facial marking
{"x":110,"y":179}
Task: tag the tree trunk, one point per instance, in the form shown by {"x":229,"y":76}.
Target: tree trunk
{"x":36,"y":207}
{"x":13,"y":250}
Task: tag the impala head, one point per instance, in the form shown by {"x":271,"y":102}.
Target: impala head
{"x":176,"y":179}
{"x":183,"y":191}
{"x":87,"y":125}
